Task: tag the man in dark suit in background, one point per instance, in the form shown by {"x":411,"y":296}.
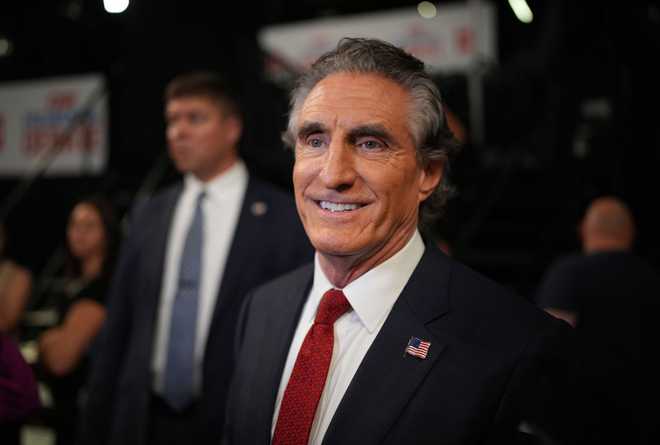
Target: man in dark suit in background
{"x":384,"y":339}
{"x":192,"y":253}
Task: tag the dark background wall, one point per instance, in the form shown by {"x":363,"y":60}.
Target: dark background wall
{"x":522,"y":191}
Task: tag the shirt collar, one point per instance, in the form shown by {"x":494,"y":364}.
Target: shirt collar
{"x":218,"y":187}
{"x":373,"y":294}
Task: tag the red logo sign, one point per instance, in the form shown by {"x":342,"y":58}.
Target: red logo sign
{"x":50,"y":128}
{"x":465,"y":40}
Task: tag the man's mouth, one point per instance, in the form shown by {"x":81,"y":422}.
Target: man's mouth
{"x":338,"y":206}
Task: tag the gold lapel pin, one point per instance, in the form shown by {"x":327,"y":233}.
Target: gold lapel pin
{"x":259,"y":208}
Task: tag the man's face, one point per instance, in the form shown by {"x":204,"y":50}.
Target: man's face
{"x":201,"y":137}
{"x":357,"y":181}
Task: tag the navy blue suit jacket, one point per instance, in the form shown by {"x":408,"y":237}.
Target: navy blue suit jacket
{"x":489,"y":367}
{"x":265,"y":245}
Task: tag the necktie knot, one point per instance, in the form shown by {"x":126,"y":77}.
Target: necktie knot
{"x":333,"y":305}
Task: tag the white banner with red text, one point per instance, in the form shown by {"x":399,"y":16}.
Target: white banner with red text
{"x":61,"y":123}
{"x":454,"y":40}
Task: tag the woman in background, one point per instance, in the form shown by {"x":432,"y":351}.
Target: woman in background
{"x":64,"y":350}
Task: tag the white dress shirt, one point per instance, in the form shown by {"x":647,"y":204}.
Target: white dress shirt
{"x":221,"y":206}
{"x":371,"y":297}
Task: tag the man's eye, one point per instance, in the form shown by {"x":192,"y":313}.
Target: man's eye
{"x":196,"y":118}
{"x":370,"y":144}
{"x":315,"y":142}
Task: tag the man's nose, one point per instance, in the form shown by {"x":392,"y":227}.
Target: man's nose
{"x":176,"y":130}
{"x":338,"y":166}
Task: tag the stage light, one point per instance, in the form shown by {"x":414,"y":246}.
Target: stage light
{"x":115,"y":6}
{"x":427,"y":10}
{"x":521,"y":10}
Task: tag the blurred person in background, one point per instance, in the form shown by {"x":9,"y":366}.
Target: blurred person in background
{"x":19,"y":398}
{"x":192,"y":252}
{"x":65,"y":350}
{"x":15,"y":288}
{"x":610,"y":296}
{"x":607,"y":234}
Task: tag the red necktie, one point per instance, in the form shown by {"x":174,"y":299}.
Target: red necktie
{"x":307,"y":380}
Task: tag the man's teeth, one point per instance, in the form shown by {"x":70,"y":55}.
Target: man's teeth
{"x":337,"y":206}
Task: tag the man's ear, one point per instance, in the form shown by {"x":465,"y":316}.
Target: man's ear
{"x":234,"y":127}
{"x":431,"y":176}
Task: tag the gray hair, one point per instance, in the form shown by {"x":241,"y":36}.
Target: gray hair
{"x":428,"y":124}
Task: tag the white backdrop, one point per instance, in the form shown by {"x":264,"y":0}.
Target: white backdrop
{"x":459,"y":36}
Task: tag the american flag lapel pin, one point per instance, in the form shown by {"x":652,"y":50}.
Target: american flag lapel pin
{"x":417,"y":347}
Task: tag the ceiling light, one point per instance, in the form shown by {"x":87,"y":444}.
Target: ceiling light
{"x":115,"y":6}
{"x":427,"y":10}
{"x":521,"y":10}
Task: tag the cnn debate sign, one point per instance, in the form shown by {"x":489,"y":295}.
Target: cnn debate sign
{"x":59,"y":122}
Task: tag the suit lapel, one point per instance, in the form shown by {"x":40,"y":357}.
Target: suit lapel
{"x":155,"y":246}
{"x":388,"y":377}
{"x":152,"y":249}
{"x":277,"y":335}
{"x":244,"y":243}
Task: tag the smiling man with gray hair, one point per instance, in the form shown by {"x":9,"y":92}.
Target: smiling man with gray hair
{"x":383,"y":339}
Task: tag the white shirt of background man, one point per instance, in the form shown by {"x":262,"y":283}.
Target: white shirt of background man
{"x":222,"y":206}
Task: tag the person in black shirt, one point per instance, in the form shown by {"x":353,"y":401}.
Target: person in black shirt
{"x":65,"y":349}
{"x":604,"y":293}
